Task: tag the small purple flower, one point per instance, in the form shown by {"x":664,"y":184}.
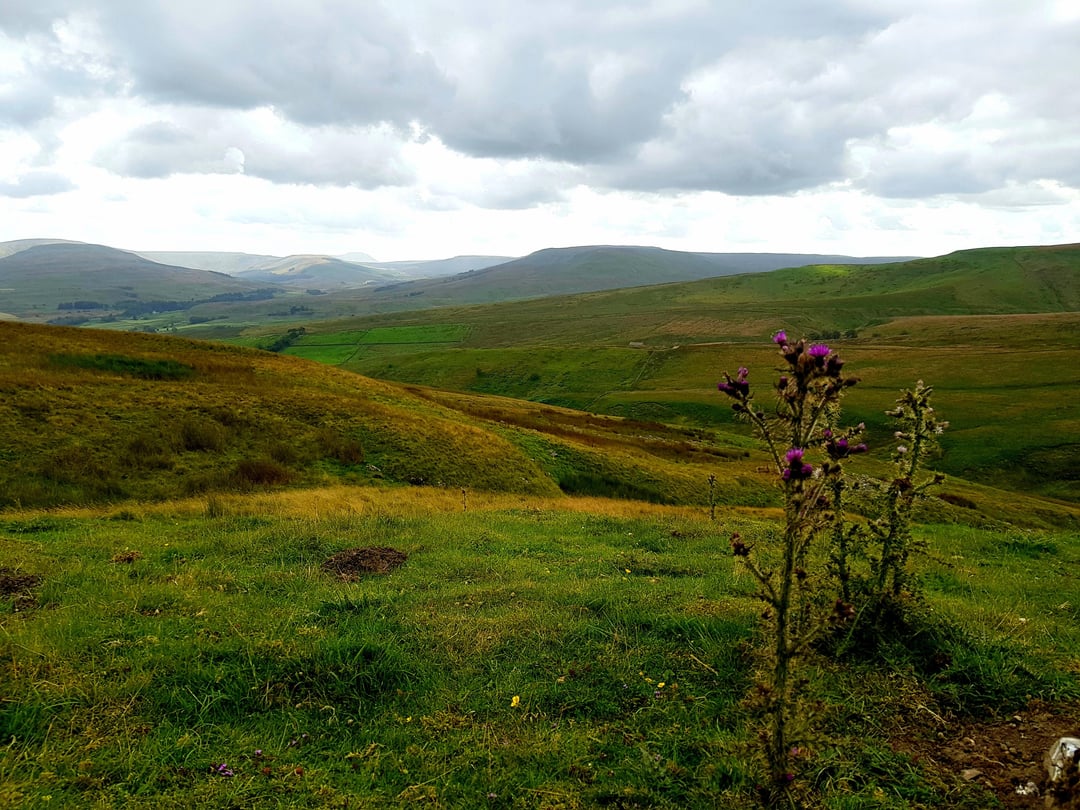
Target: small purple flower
{"x":222,"y":770}
{"x":780,"y":338}
{"x":738,"y":386}
{"x":796,"y":469}
{"x":819,"y":351}
{"x":841,"y":448}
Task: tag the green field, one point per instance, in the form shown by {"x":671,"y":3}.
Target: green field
{"x":338,"y":348}
{"x":529,"y":653}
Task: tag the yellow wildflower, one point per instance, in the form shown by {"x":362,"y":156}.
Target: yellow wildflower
{"x":515,"y":701}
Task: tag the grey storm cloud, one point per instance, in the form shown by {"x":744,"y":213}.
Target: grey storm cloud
{"x":725,"y":95}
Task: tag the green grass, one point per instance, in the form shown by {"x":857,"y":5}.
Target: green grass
{"x":165,"y":642}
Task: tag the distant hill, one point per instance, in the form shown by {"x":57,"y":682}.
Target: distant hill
{"x":221,"y":262}
{"x":825,"y":297}
{"x":44,"y":278}
{"x":436,"y":268}
{"x":356,"y":256}
{"x":563,"y":271}
{"x":315,"y":271}
{"x":17,"y":245}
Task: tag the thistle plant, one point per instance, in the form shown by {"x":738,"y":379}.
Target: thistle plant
{"x":801,"y":428}
{"x":917,"y":430}
{"x":803,"y":421}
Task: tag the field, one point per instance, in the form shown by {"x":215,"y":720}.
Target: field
{"x":528,"y":653}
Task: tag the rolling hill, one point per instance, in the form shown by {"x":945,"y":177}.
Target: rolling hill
{"x":39,"y":280}
{"x":103,"y":416}
{"x":992,"y":329}
{"x":95,"y":415}
{"x":562,"y":271}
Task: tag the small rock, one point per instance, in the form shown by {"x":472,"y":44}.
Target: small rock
{"x":1030,"y":789}
{"x":970,"y":773}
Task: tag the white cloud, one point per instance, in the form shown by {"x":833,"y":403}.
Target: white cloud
{"x":438,"y":126}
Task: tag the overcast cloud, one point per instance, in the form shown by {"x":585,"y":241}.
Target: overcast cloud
{"x":425,"y":128}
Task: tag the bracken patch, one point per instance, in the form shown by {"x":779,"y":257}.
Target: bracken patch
{"x":353,"y":563}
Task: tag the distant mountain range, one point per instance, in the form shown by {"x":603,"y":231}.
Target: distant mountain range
{"x":40,"y":276}
{"x":321,"y":271}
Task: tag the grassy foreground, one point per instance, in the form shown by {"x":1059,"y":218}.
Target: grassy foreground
{"x":531,"y":652}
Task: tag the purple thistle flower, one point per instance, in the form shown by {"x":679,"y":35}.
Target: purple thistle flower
{"x":737,"y":386}
{"x":796,"y":469}
{"x":819,"y":351}
{"x":780,"y":338}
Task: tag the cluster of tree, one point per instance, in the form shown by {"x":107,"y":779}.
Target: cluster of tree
{"x":133,"y":309}
{"x":287,"y":340}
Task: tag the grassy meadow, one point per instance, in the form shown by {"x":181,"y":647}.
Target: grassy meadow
{"x":530,"y":652}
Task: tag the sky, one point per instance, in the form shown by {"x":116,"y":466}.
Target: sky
{"x":423,"y":129}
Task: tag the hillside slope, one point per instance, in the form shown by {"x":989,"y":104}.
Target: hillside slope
{"x":96,"y":415}
{"x":41,"y":278}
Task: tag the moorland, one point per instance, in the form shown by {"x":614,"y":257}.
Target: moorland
{"x":558,"y":478}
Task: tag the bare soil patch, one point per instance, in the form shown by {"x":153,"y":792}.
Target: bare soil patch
{"x":18,"y":587}
{"x":353,"y":563}
{"x":1005,"y":756}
